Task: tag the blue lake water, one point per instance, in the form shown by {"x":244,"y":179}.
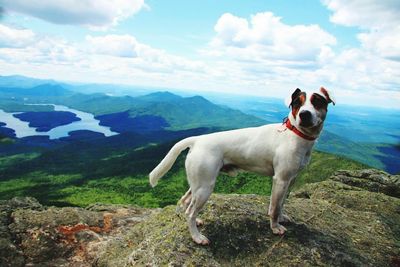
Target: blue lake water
{"x":87,"y":122}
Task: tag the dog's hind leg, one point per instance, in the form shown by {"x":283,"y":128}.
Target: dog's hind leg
{"x":198,"y":200}
{"x":201,"y":173}
{"x":184,"y":202}
{"x":185,"y":199}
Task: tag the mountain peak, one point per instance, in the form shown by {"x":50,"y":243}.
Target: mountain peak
{"x":48,"y":89}
{"x":49,"y":86}
{"x":160,"y":96}
{"x":199,"y":99}
{"x":22,"y":81}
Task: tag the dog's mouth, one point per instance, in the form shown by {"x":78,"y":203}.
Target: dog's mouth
{"x":306,"y":124}
{"x":310,"y":124}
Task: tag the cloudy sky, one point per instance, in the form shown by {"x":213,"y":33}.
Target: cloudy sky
{"x":267,"y":48}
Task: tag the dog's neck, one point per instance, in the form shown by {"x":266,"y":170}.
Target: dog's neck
{"x":310,"y":134}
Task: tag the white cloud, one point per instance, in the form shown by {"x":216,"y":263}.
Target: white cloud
{"x":91,"y":13}
{"x":107,"y":58}
{"x":373,"y":69}
{"x":23,"y":45}
{"x":12,"y":37}
{"x":265,"y":36}
{"x":357,"y":70}
{"x":364,"y":13}
{"x":380,"y":20}
{"x":137,"y":55}
{"x":113,"y":45}
{"x":383,"y":42}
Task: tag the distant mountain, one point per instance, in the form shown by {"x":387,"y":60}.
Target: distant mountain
{"x":42,"y":90}
{"x":178,"y":112}
{"x":339,"y":145}
{"x":18,"y":81}
{"x":193,"y":112}
{"x":160,"y":97}
{"x":14,"y":99}
{"x":53,"y":90}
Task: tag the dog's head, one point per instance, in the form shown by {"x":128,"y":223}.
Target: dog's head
{"x":309,"y":109}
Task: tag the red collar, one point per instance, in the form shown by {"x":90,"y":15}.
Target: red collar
{"x":296,"y":131}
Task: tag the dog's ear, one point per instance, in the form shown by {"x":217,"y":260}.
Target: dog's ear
{"x":289,"y":100}
{"x":328,"y":95}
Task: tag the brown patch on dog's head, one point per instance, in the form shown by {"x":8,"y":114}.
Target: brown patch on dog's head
{"x":319,"y":102}
{"x":298,"y":99}
{"x":328,"y":97}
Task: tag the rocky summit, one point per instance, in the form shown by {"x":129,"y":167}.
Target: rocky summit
{"x":351,"y":219}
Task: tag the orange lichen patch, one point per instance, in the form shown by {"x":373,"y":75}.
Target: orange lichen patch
{"x":70,"y":231}
{"x":107,"y":219}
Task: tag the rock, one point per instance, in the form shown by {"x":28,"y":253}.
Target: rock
{"x":372,"y":180}
{"x":352,"y":219}
{"x":10,"y":254}
{"x":49,"y":236}
{"x":334,"y":224}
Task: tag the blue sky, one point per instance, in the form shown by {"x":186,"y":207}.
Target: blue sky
{"x":267,"y":48}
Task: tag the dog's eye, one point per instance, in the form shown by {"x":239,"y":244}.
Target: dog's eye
{"x":296,"y":102}
{"x":299,"y":100}
{"x":319,"y":102}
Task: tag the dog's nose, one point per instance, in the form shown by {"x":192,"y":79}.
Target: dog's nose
{"x":305,"y":115}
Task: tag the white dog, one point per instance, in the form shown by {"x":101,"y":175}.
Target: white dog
{"x":278,"y":150}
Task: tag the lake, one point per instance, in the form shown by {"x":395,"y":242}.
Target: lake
{"x":87,"y":122}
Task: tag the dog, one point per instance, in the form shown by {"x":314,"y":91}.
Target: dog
{"x":278,"y":150}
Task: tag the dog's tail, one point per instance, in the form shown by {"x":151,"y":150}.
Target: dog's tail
{"x":169,"y":160}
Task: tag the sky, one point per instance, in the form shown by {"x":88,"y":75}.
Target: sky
{"x":262,"y":48}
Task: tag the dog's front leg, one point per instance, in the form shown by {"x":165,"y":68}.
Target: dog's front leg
{"x":279,"y":190}
{"x":283,"y":217}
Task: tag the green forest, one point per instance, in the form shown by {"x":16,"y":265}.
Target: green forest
{"x":82,"y":177}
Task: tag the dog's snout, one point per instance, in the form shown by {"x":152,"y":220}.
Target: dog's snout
{"x":305,"y":115}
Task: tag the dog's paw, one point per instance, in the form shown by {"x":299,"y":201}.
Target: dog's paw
{"x":278,"y":229}
{"x":283,"y":218}
{"x":199,"y":222}
{"x":201,"y":240}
